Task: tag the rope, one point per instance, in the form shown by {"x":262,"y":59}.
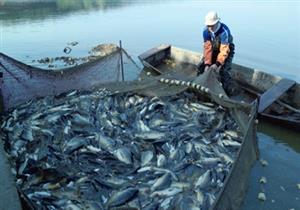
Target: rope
{"x":136,"y":65}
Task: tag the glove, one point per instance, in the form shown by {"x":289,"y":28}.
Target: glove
{"x":219,"y":65}
{"x":216,"y":67}
{"x":206,"y":68}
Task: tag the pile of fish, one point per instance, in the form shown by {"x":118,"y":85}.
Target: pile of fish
{"x":103,"y":150}
{"x":62,"y":61}
{"x":59,"y":62}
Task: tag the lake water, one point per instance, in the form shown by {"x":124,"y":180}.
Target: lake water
{"x":266,"y":35}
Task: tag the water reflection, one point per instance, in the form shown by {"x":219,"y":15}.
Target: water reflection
{"x":281,"y":135}
{"x":281,"y":173}
{"x":17,"y":11}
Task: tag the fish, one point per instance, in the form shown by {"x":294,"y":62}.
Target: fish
{"x":146,"y":157}
{"x":124,"y":155}
{"x":17,"y":131}
{"x":55,"y":109}
{"x":121,"y":197}
{"x":53,"y":118}
{"x":151,"y":206}
{"x":166,"y":202}
{"x":200,"y":197}
{"x":166,"y":192}
{"x":177,"y":154}
{"x":74,"y":144}
{"x":153,"y":168}
{"x":232,"y":134}
{"x":39,"y":194}
{"x":161,"y":160}
{"x":121,"y":150}
{"x":204,"y":180}
{"x":162,"y":182}
{"x":209,"y":161}
{"x":183,"y":202}
{"x":81,"y":120}
{"x":231,"y":143}
{"x":7,"y":125}
{"x":105,"y":142}
{"x":154,"y":105}
{"x":27,"y":134}
{"x":141,"y":126}
{"x":150,"y":135}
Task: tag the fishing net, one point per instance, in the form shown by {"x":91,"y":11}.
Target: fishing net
{"x":23,"y":83}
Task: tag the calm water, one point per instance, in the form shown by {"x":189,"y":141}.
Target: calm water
{"x":266,"y":34}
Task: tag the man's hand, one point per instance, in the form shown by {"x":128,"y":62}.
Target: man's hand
{"x":206,"y":68}
{"x":216,"y":67}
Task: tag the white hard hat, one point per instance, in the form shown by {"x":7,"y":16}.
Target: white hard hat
{"x":211,"y":18}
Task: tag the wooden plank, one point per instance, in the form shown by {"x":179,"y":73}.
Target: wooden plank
{"x":281,"y":103}
{"x":272,"y":94}
{"x":153,"y":51}
{"x":148,"y":65}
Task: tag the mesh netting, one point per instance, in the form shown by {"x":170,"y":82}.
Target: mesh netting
{"x":22,"y":82}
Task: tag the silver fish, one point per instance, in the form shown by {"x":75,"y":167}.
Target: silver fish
{"x":27,"y":134}
{"x":203,"y":180}
{"x":74,"y":144}
{"x":150,"y":135}
{"x":105,"y":142}
{"x":166,"y":192}
{"x":124,"y":155}
{"x":146,"y":157}
{"x":161,"y":160}
{"x":231,"y":143}
{"x":162,"y":182}
{"x":122,"y":197}
{"x":81,"y":120}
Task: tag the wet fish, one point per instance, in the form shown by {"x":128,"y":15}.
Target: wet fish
{"x":121,"y":150}
{"x":27,"y":134}
{"x":105,"y":142}
{"x":122,"y":197}
{"x":151,"y":135}
{"x":124,"y":155}
{"x":162,"y":182}
{"x":231,"y":143}
{"x":161,"y":160}
{"x":167,"y":192}
{"x":74,"y":144}
{"x":146,"y":157}
{"x":81,"y":120}
{"x":152,"y":206}
{"x":204,"y":180}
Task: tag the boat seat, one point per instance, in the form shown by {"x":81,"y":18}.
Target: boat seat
{"x":272,"y":94}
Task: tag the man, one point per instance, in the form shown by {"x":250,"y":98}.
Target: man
{"x":218,"y":48}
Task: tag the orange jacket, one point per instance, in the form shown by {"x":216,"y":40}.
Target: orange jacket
{"x":216,"y":45}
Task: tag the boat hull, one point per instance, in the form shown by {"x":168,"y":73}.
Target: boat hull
{"x":246,"y":78}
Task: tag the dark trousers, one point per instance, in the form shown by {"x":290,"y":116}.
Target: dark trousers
{"x":225,"y":70}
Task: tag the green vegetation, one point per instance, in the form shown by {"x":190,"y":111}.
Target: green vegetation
{"x":16,"y":11}
{"x":89,"y":4}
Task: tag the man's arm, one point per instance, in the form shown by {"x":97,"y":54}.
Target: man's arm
{"x":207,"y":48}
{"x":223,"y":54}
{"x":224,"y":48}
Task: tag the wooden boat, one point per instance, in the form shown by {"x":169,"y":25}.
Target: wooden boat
{"x":279,"y":98}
